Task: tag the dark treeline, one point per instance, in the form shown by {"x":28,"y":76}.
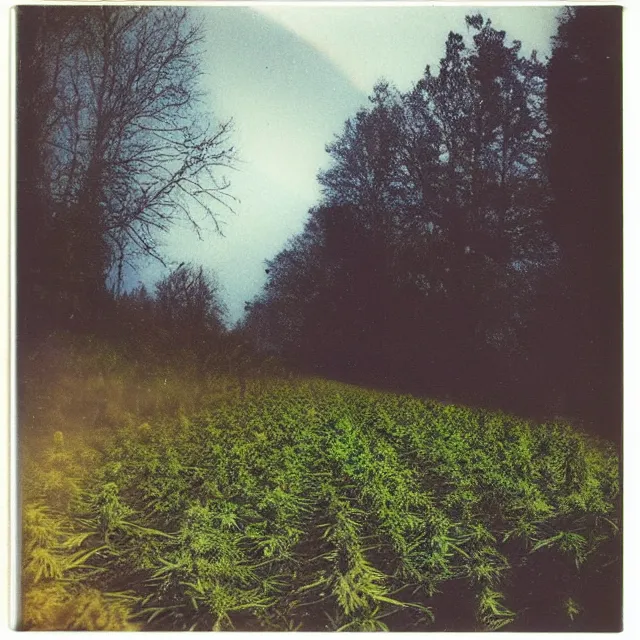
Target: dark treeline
{"x":468,"y":241}
{"x":114,"y":147}
{"x":467,"y":244}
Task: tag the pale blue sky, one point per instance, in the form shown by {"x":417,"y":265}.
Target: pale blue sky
{"x":289,"y":76}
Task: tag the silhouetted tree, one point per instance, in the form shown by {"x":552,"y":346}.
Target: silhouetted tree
{"x":456,"y":247}
{"x":108,"y":110}
{"x":488,"y":104}
{"x":189,"y":312}
{"x":419,"y":264}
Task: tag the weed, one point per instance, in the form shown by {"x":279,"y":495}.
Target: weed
{"x":299,"y":504}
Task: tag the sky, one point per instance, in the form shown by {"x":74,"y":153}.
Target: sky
{"x":289,"y":77}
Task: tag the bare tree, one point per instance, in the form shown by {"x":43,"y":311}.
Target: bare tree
{"x":125,"y":147}
{"x":189,"y":309}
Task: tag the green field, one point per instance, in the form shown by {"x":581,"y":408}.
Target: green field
{"x":155,"y":502}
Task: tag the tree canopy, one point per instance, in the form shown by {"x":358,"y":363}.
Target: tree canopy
{"x":432,"y":261}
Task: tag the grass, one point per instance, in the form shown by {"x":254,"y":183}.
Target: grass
{"x":165,"y":501}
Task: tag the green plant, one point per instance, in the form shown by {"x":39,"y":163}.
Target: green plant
{"x":301,"y":504}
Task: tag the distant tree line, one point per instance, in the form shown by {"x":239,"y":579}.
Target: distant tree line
{"x":468,"y":240}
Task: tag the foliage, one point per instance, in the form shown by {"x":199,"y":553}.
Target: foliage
{"x":418,"y":265}
{"x":306,"y":504}
{"x":176,"y":482}
{"x":471,"y":223}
